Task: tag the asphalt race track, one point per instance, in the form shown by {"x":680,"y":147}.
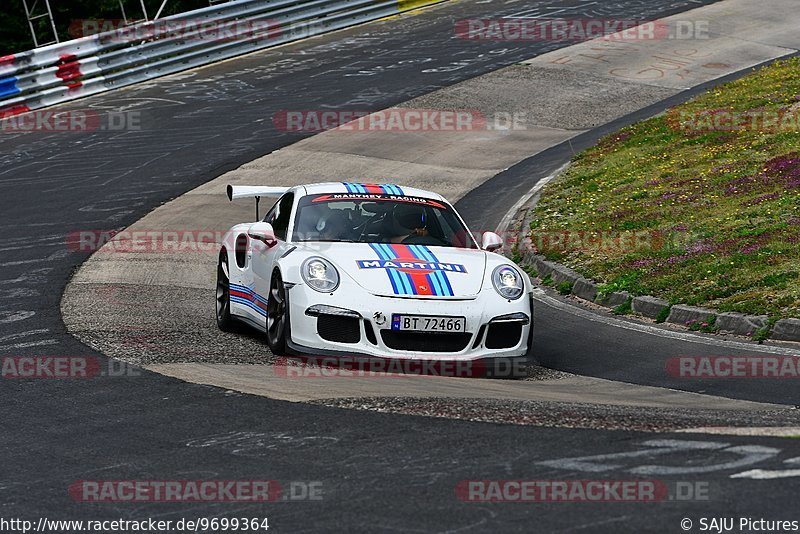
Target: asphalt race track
{"x":379,"y":472}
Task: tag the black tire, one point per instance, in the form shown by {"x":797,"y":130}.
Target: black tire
{"x":277,"y":316}
{"x":223,"y":306}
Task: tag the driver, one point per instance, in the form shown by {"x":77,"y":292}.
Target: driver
{"x":409,"y":221}
{"x":333,"y":227}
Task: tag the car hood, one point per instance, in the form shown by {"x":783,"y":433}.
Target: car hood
{"x":408,"y":270}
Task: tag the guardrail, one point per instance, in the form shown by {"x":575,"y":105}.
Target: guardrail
{"x":74,"y":69}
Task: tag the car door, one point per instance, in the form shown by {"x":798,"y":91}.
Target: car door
{"x":264,"y":258}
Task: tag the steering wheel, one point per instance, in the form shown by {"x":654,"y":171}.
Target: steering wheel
{"x":377,"y":218}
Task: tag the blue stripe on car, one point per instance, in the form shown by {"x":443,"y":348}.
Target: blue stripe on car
{"x":249,"y":291}
{"x":447,"y":289}
{"x":405,"y":281}
{"x":394,"y":278}
{"x":433,"y":280}
{"x":248,"y":303}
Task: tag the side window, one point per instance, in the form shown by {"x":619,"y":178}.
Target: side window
{"x":272,"y":213}
{"x":283,"y":210}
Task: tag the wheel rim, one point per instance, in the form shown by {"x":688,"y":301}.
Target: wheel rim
{"x":223,"y":290}
{"x":276,"y":307}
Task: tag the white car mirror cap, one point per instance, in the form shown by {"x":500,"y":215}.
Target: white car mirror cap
{"x":491,"y":241}
{"x":263,"y":232}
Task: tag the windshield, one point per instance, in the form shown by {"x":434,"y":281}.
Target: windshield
{"x":379,"y":218}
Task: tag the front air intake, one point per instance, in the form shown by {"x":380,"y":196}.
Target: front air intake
{"x":339,"y":329}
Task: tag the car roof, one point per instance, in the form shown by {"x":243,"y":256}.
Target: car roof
{"x":373,"y":188}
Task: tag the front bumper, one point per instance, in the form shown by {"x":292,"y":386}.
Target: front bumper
{"x":356,"y":323}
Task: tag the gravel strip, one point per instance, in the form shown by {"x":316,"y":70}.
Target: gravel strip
{"x":563,"y":415}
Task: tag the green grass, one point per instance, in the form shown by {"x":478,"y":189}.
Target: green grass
{"x":719,"y":210}
{"x":531,"y":271}
{"x":662,"y":315}
{"x":624,"y":309}
{"x":565,"y":288}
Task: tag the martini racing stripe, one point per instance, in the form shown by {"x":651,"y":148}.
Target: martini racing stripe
{"x":434,"y":283}
{"x":440,"y":276}
{"x":393,"y":189}
{"x":354,"y":188}
{"x":421,"y":282}
{"x":247,"y":297}
{"x":385,"y":189}
{"x":401,"y":285}
{"x":434,"y":278}
{"x":374,"y":189}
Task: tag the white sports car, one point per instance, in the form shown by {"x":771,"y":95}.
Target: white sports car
{"x":382,"y":271}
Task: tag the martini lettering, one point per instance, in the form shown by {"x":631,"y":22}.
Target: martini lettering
{"x":420,"y":266}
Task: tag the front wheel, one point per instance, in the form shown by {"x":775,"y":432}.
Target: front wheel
{"x":277,"y":316}
{"x":224,"y":320}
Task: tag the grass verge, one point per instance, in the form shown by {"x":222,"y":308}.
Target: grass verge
{"x":699,"y":206}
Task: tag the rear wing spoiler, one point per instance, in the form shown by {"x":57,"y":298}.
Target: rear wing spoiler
{"x":254,"y":191}
{"x":246,"y":191}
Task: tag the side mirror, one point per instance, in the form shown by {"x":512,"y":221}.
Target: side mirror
{"x":491,"y":241}
{"x":263,"y":232}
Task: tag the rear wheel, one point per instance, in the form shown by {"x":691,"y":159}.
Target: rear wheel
{"x":224,"y":320}
{"x":277,"y":315}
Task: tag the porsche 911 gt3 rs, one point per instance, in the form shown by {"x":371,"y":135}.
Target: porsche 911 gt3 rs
{"x":371,"y":270}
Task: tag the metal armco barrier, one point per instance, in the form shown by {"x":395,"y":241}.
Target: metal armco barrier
{"x":93,"y":64}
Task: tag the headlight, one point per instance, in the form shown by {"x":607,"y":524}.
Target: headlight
{"x":508,"y":282}
{"x":320,"y":275}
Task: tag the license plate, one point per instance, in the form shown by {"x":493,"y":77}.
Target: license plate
{"x":429,"y":323}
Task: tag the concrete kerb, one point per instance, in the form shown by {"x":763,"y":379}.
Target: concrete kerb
{"x":585,"y":289}
{"x":649,"y":306}
{"x":688,"y":315}
{"x":741,"y":324}
{"x":786,"y":330}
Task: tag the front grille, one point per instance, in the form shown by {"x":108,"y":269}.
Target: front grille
{"x":426,"y":341}
{"x":338,"y":328}
{"x":479,"y":337}
{"x":503,"y":335}
{"x":370,"y":332}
